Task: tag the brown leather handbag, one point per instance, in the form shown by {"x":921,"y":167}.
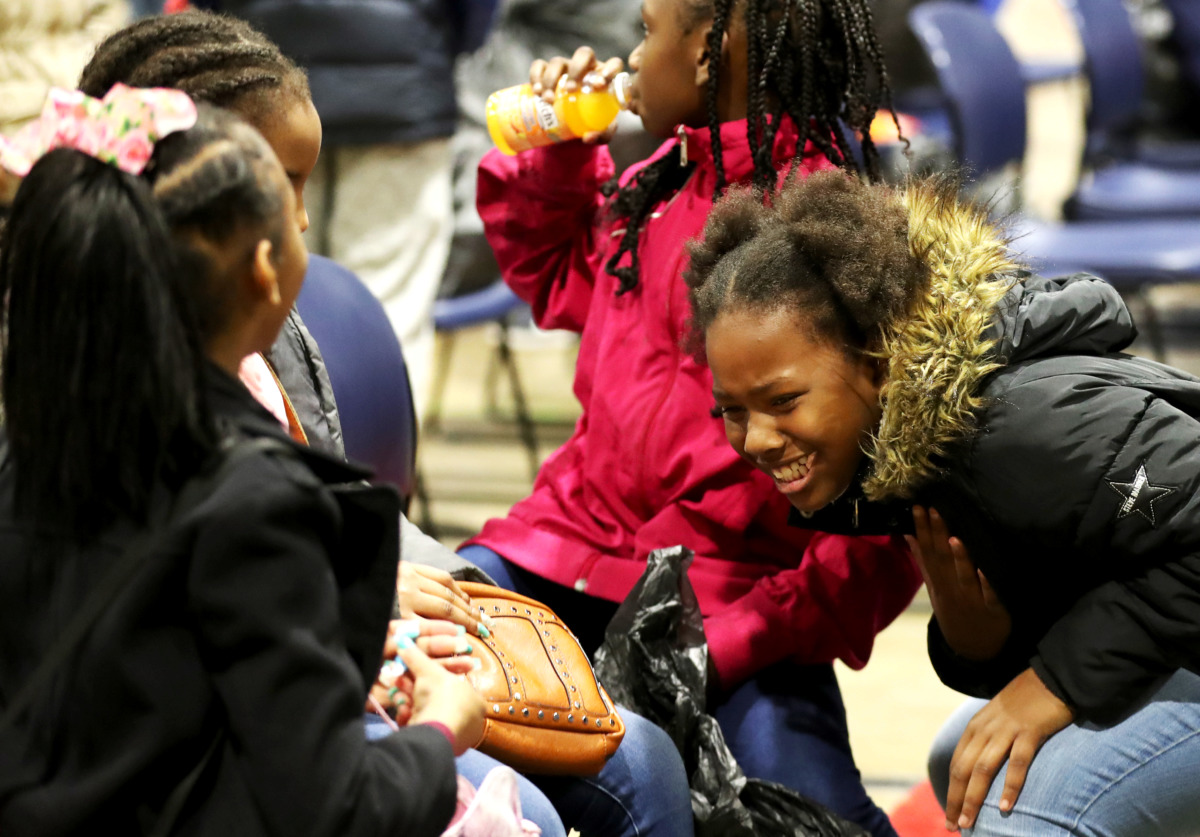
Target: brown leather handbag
{"x":546,"y":713}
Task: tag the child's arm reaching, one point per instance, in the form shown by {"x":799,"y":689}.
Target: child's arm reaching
{"x":541,"y":215}
{"x":845,"y":591}
{"x":541,"y":209}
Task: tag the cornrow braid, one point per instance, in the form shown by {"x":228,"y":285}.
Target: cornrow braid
{"x":811,"y":60}
{"x":754,"y":59}
{"x":213,"y":58}
{"x":720,"y":20}
{"x":764,"y":168}
{"x":210,"y":183}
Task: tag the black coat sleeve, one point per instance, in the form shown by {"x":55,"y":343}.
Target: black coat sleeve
{"x":265,"y":600}
{"x":1110,"y":475}
{"x":1124,"y":638}
{"x":981,"y":679}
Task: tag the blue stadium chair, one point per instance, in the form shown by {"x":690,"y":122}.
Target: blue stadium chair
{"x":493,"y":304}
{"x":1124,"y":177}
{"x":982,"y":83}
{"x":1113,"y":64}
{"x":366,"y":367}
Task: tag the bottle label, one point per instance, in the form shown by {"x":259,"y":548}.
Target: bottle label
{"x":523,"y":120}
{"x":546,"y":116}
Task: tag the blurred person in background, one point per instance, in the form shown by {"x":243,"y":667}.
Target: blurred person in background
{"x":45,"y":43}
{"x":382,"y":78}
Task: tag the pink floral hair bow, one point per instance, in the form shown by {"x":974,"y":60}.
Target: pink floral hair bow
{"x":119,"y":129}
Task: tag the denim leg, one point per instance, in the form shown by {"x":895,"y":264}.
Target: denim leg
{"x":643,"y":789}
{"x":491,"y":563}
{"x":641,"y":792}
{"x":474,"y":766}
{"x":788,"y":725}
{"x":942,"y":751}
{"x":1134,"y":779}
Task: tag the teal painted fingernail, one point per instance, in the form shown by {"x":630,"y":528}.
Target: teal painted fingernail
{"x":483,"y":631}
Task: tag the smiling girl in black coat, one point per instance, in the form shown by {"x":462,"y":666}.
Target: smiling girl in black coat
{"x":874,"y":349}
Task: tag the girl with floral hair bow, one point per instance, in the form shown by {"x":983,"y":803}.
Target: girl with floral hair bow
{"x":219,"y":689}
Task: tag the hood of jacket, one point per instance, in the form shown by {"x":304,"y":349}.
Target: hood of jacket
{"x":980,"y":312}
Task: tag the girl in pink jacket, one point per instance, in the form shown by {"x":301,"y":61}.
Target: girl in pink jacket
{"x":749,"y":90}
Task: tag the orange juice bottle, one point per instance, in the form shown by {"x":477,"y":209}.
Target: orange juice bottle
{"x":518,"y":120}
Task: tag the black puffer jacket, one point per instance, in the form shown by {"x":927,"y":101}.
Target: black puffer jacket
{"x":1070,"y":472}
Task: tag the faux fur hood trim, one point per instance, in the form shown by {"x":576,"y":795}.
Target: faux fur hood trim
{"x":938,"y":356}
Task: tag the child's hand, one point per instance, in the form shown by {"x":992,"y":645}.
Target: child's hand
{"x":392,"y":692}
{"x":443,"y":697}
{"x":433,"y":594}
{"x":445,"y":642}
{"x":1012,"y":726}
{"x":972,"y":619}
{"x":581,"y":71}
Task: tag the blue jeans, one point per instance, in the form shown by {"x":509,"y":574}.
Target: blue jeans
{"x":787,"y":724}
{"x":641,"y":792}
{"x":474,"y":766}
{"x":1139,"y":777}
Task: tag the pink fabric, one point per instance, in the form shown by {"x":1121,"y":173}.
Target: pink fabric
{"x":492,"y":811}
{"x":120,"y":129}
{"x":256,"y":376}
{"x":647,"y":466}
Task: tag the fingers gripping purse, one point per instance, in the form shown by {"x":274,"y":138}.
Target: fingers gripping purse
{"x":546,"y":713}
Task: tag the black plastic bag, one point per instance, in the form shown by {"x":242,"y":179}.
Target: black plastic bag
{"x":654,"y":660}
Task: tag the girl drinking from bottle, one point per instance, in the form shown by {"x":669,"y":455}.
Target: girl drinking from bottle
{"x":744,"y":92}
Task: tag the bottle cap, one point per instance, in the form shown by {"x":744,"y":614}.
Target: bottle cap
{"x":620,"y":87}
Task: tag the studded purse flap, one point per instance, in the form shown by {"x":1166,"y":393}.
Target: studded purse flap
{"x":546,"y":713}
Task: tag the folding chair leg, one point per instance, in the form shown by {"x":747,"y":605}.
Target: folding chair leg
{"x":524,"y":421}
{"x":421,"y":495}
{"x":443,"y":353}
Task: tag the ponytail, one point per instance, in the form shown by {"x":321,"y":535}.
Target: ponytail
{"x":111,"y":285}
{"x":101,"y":373}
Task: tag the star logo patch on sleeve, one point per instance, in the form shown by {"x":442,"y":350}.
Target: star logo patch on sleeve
{"x":1139,"y":496}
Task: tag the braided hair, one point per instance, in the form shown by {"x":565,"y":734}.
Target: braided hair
{"x":817,"y":61}
{"x":833,"y":247}
{"x":213,"y":58}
